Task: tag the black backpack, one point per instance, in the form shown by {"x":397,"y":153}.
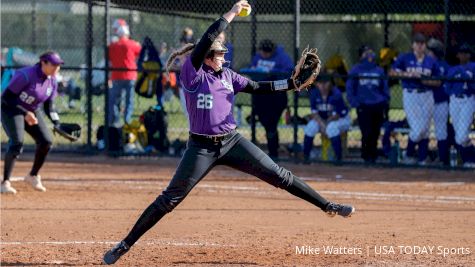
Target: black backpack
{"x":156,"y":123}
{"x":115,"y":138}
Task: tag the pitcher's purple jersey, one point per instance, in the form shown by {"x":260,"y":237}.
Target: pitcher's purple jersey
{"x":33,"y":87}
{"x":408,"y":62}
{"x":210,"y":98}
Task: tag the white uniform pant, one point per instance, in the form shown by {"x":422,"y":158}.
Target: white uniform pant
{"x":419,"y":108}
{"x":461,"y":112}
{"x":334,"y":128}
{"x":441,"y":115}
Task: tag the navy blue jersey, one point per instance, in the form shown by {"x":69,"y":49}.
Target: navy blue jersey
{"x":369,"y":90}
{"x":463,"y":87}
{"x":333,"y":105}
{"x":408,"y":63}
{"x":278,"y":62}
{"x":439,"y":93}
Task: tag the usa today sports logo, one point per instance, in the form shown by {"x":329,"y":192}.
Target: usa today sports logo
{"x":377,"y":250}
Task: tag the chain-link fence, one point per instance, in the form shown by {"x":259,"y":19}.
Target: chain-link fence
{"x":80,"y":32}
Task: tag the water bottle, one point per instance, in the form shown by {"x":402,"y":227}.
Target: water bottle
{"x":398,"y":151}
{"x":453,"y":157}
{"x":395,"y":153}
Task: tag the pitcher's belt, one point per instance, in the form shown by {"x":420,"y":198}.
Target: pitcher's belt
{"x":211,"y":138}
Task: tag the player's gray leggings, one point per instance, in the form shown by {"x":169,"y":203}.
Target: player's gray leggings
{"x":15,"y":126}
{"x":235,"y":152}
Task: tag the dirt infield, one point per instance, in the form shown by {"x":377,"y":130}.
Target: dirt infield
{"x":404,"y":217}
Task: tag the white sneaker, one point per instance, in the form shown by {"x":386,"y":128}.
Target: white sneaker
{"x":7,"y":188}
{"x":35,"y":182}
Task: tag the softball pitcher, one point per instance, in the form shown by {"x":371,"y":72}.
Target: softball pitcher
{"x":462,"y":103}
{"x":210,"y":92}
{"x":418,"y":99}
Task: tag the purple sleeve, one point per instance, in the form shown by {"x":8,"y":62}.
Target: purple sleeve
{"x":239,"y":82}
{"x":18,"y":82}
{"x":188,"y":75}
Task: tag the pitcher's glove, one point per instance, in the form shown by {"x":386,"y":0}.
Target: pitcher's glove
{"x":70,"y":131}
{"x":307,"y":69}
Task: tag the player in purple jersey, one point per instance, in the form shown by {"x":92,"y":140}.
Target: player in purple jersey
{"x":210,"y":89}
{"x":30,"y":88}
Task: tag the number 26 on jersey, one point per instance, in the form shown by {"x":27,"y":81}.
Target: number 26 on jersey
{"x":205,"y":101}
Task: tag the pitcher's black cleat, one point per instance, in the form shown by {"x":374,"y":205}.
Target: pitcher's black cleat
{"x":115,"y":253}
{"x":344,"y":210}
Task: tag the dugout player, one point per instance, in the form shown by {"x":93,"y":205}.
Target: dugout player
{"x":435,"y":49}
{"x":329,"y":116}
{"x":28,"y":89}
{"x":417,"y":98}
{"x":272,"y":60}
{"x":462,"y":103}
{"x":209,"y":91}
{"x":370,"y":97}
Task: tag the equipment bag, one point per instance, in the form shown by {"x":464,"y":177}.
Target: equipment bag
{"x":149,"y":77}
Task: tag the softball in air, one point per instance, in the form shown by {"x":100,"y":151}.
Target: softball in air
{"x":245,"y":11}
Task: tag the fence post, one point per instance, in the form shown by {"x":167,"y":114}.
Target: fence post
{"x":253,"y":52}
{"x":296,"y":57}
{"x":130,"y":18}
{"x":106,"y":74}
{"x":386,"y":30}
{"x":89,"y":43}
{"x":33,"y":25}
{"x":446,"y":25}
